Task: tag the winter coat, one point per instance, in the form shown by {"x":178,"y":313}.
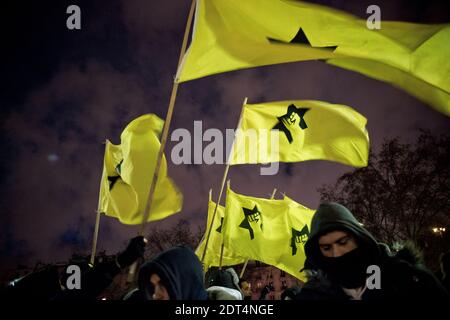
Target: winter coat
{"x":223,"y":293}
{"x":399,"y":279}
{"x":227,"y":278}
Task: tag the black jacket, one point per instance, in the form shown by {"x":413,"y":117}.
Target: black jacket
{"x":94,"y":281}
{"x":399,"y":279}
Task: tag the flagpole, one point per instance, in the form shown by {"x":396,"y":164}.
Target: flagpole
{"x":225,"y":174}
{"x":167,"y":122}
{"x":246,"y":261}
{"x":273,"y":194}
{"x":203,"y":237}
{"x":97,"y":225}
{"x":165,"y":132}
{"x":243,"y":269}
{"x":95,"y":238}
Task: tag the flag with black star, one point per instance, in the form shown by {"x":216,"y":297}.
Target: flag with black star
{"x":301,"y":130}
{"x":279,"y":241}
{"x":212,"y":255}
{"x":232,"y":35}
{"x":127,"y":173}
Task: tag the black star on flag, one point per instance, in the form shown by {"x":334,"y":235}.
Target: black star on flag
{"x":299,"y":237}
{"x":289,"y":120}
{"x":300,"y":38}
{"x":113,"y":179}
{"x":250,"y":215}
{"x":219,"y":229}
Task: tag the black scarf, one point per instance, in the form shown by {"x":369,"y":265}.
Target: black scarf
{"x":348,"y":270}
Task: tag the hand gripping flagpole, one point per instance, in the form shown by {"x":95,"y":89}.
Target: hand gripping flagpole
{"x":246,"y":261}
{"x":165,"y":133}
{"x":225,"y":174}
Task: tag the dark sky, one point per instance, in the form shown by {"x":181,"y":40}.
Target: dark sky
{"x":64,"y":92}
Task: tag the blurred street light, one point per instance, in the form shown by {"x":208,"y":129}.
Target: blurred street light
{"x":438,"y":230}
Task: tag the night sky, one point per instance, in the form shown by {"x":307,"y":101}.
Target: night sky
{"x":64,"y":92}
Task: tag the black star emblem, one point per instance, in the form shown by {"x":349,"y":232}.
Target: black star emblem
{"x":249,"y":216}
{"x":289,"y":119}
{"x":113,"y":179}
{"x":300,"y":38}
{"x":219,"y":229}
{"x":299,"y":237}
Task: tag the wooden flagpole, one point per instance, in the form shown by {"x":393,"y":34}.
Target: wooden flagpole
{"x":225,"y":174}
{"x":97,"y":225}
{"x":165,"y":133}
{"x":95,"y":238}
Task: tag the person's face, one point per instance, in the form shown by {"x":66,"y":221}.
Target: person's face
{"x":160,"y":291}
{"x":246,"y":288}
{"x":336,"y":243}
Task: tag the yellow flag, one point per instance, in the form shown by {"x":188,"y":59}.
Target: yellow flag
{"x":271,"y":231}
{"x":438,"y":98}
{"x":127,"y":173}
{"x":212,"y":256}
{"x":292,"y":131}
{"x":299,"y":220}
{"x":234,"y":34}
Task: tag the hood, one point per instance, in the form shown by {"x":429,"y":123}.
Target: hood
{"x":235,"y":278}
{"x":223,"y":293}
{"x":223,"y":278}
{"x":331,"y":216}
{"x":180,"y":271}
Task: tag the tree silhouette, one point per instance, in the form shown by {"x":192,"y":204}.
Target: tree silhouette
{"x":404,"y":191}
{"x":165,"y":238}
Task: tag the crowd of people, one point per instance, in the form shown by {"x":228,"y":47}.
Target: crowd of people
{"x":339,"y":253}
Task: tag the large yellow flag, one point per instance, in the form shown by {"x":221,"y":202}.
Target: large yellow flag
{"x":291,"y":131}
{"x":432,"y":95}
{"x":127,"y":173}
{"x":212,"y":256}
{"x":271,"y":231}
{"x":235,"y":34}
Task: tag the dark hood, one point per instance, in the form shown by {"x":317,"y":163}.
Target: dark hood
{"x":330,"y":217}
{"x":181,"y":272}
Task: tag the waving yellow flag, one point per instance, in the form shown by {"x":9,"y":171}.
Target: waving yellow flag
{"x":212,"y":257}
{"x":271,"y":231}
{"x":127,"y":173}
{"x":234,"y":34}
{"x":291,"y":131}
{"x":299,"y":220}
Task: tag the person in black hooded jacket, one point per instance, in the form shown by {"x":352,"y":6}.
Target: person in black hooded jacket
{"x":339,"y":251}
{"x":175,"y":274}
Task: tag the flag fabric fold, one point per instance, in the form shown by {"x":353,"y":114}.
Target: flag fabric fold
{"x":128,"y":169}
